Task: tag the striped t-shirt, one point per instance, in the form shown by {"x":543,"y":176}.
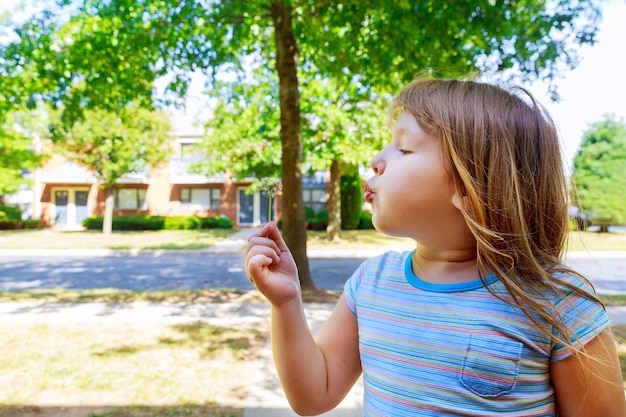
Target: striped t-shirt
{"x":455,"y":349}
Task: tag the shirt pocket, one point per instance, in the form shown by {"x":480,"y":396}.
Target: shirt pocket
{"x":491,"y":365}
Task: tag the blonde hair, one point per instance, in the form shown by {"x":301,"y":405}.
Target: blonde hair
{"x":505,"y":159}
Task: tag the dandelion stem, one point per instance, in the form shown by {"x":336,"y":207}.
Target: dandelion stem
{"x":269,"y":211}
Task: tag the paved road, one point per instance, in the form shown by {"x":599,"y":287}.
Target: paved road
{"x":188,"y":270}
{"x":150,"y":272}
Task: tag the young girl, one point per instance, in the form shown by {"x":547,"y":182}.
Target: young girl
{"x":482,"y":318}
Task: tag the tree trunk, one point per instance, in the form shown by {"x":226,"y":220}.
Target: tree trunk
{"x":107,"y":220}
{"x":294,"y":226}
{"x":334,"y":202}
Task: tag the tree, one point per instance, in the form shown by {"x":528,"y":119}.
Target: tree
{"x":114,"y":144}
{"x":243,"y":132}
{"x":599,"y":176}
{"x":119,"y":47}
{"x":18,"y":124}
{"x":342,"y":127}
{"x":17,"y":150}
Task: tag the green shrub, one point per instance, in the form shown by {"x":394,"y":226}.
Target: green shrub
{"x":216,"y":222}
{"x":10,"y":214}
{"x":92,"y":223}
{"x":320,"y":221}
{"x":127,"y":223}
{"x":139,"y":222}
{"x":145,"y":222}
{"x":309,"y":214}
{"x":351,"y":200}
{"x":366,"y":221}
{"x":32,"y":224}
{"x":182,"y":223}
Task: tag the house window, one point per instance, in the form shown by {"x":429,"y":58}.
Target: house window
{"x":315,"y":199}
{"x":201,"y":198}
{"x":130,"y":198}
{"x":191,"y":151}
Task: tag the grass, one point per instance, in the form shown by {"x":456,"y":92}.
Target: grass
{"x":614,"y":299}
{"x":594,"y":241}
{"x":371,"y":239}
{"x":188,"y":411}
{"x":112,"y":295}
{"x":90,"y":239}
{"x":189,"y":369}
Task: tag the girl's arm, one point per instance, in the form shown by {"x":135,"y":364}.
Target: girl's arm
{"x":593,"y":389}
{"x":316,"y":373}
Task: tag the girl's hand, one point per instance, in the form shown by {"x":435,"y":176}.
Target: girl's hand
{"x":270,"y":266}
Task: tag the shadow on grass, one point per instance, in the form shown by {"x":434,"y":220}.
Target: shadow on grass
{"x":186,"y":410}
{"x":206,"y":338}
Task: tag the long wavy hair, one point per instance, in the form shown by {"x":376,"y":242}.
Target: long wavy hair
{"x":503,"y":151}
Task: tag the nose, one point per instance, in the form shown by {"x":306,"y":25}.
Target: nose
{"x":378,"y":163}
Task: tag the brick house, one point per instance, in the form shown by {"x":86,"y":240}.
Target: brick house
{"x":64,"y":193}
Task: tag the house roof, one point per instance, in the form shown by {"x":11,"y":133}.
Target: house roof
{"x":69,"y":172}
{"x":73,"y":173}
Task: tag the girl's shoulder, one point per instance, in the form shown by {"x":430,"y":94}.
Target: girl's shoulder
{"x":570,"y":284}
{"x":388,"y":262}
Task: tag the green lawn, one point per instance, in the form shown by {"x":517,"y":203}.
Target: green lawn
{"x":201,"y":239}
{"x":90,"y":239}
{"x":127,"y":370}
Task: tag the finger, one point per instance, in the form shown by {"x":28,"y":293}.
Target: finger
{"x":262,"y":241}
{"x":270,"y":251}
{"x":256,"y":266}
{"x":274,"y":234}
{"x":257,"y":237}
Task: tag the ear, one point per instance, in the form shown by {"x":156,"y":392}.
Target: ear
{"x":460,"y":202}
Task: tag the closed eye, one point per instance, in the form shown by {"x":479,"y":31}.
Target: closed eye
{"x":404,"y":151}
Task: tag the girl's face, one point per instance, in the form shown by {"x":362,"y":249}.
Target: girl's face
{"x":411,"y":192}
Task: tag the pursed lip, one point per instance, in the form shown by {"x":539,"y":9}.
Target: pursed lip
{"x":368,"y":194}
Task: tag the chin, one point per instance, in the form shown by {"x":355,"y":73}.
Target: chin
{"x":387,"y":229}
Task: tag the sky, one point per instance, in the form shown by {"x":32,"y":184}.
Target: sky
{"x":597,"y":86}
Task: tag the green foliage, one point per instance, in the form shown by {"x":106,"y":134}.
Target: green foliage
{"x":351,"y":200}
{"x":139,"y":222}
{"x":109,"y":53}
{"x":32,"y":224}
{"x":320,"y":221}
{"x":342,"y":122}
{"x":182,"y":223}
{"x":146,"y":222}
{"x":10,"y":218}
{"x":112,"y":144}
{"x":8,"y":213}
{"x":216,"y":222}
{"x":365,"y":223}
{"x":599,"y":176}
{"x":243,"y":134}
{"x":17,"y":152}
{"x":309,"y":213}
